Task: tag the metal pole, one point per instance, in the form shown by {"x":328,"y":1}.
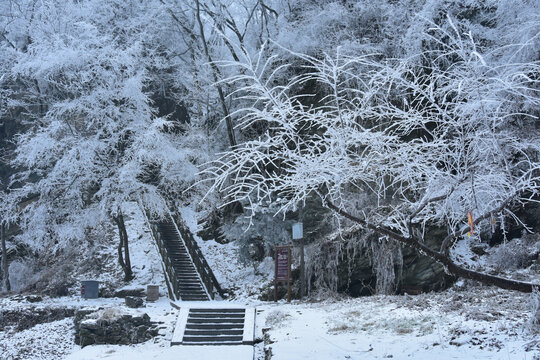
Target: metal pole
{"x":290,"y":275}
{"x":302,"y":262}
{"x":302,"y":270}
{"x":275,"y":277}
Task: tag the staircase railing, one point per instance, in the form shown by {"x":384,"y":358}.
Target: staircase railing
{"x":170,"y":274}
{"x":204,"y":270}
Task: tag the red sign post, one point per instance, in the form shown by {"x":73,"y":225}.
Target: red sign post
{"x":283,"y":269}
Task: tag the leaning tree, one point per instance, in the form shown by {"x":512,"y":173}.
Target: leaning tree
{"x":394,"y":146}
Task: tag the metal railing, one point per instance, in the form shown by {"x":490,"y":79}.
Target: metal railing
{"x":170,"y":274}
{"x":204,"y":270}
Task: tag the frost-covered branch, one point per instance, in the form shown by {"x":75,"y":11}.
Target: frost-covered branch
{"x":425,"y":142}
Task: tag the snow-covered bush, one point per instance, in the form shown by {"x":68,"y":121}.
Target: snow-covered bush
{"x":515,"y":254}
{"x":276,"y":318}
{"x":22,"y":274}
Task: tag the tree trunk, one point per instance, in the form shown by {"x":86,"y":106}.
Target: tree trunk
{"x":215,"y":74}
{"x":441,"y":257}
{"x":123,"y":248}
{"x":5,"y":267}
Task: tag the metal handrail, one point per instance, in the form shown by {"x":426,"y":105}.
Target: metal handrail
{"x":165,"y":257}
{"x":206,"y":273}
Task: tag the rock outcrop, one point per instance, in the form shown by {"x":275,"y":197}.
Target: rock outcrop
{"x":110,"y":327}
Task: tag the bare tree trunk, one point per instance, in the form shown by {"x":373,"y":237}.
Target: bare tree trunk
{"x":441,"y":257}
{"x":5,"y":267}
{"x":215,"y":72}
{"x":123,"y":248}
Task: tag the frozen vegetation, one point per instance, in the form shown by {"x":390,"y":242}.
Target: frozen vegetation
{"x":404,"y":135}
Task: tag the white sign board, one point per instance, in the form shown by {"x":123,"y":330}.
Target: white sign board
{"x":297,"y":231}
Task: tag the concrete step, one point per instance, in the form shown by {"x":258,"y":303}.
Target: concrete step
{"x":209,"y":315}
{"x":184,"y":265}
{"x":200,"y":293}
{"x":210,"y":343}
{"x":216,"y":332}
{"x":179,"y":252}
{"x":189,"y":291}
{"x":192,"y":291}
{"x":214,"y":339}
{"x":224,"y":310}
{"x":185,"y":269}
{"x":193,"y":297}
{"x":188,"y":285}
{"x":179,"y":257}
{"x":214,"y":326}
{"x":216,"y":321}
{"x":188,"y":280}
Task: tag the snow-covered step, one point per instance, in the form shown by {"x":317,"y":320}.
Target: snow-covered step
{"x":189,"y":285}
{"x":214,"y":326}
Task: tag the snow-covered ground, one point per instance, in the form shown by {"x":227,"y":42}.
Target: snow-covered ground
{"x":478,"y":323}
{"x":464,"y":322}
{"x":144,"y":254}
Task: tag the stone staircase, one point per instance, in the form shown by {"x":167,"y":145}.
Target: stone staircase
{"x":214,"y":326}
{"x":190,"y":280}
{"x":189,"y":285}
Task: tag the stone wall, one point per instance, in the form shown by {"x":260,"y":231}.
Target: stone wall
{"x":122,"y":329}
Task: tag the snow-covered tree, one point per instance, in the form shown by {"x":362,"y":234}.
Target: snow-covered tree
{"x":395,"y":145}
{"x":94,"y":142}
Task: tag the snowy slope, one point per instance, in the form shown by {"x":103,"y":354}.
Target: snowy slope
{"x":242,"y":280}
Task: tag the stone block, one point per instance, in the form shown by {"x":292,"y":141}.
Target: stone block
{"x":134,"y":302}
{"x":152,"y":293}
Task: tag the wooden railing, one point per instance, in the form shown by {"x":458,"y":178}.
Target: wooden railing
{"x":204,"y":270}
